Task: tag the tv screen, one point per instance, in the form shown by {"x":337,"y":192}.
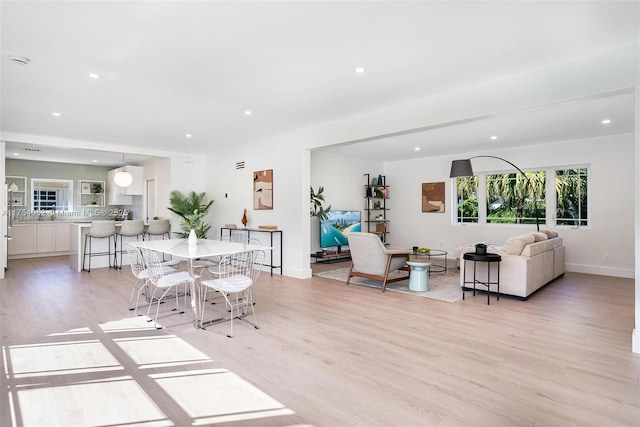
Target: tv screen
{"x":333,"y":229}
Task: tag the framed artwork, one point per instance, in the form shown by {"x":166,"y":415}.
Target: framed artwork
{"x":433,"y":197}
{"x":263,"y":189}
{"x":86,"y":188}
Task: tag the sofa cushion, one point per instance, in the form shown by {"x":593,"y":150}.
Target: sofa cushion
{"x":550,"y":233}
{"x":514,"y":245}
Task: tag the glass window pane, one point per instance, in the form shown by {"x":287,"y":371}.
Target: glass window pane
{"x":572,"y":197}
{"x":467,"y":191}
{"x":513,"y":198}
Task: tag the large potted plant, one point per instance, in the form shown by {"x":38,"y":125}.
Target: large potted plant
{"x":192,"y":209}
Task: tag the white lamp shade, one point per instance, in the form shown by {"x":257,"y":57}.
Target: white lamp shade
{"x":13,"y":187}
{"x":123,"y":179}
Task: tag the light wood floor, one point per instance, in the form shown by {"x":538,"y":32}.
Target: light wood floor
{"x":325,"y":355}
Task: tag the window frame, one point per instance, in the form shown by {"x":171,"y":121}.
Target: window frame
{"x":547,"y":216}
{"x":63,"y":188}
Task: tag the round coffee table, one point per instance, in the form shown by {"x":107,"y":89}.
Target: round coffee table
{"x":437,"y":258}
{"x":418,"y":277}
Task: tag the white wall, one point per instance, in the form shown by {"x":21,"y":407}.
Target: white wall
{"x":611,"y":201}
{"x":289,"y":154}
{"x":343,"y":180}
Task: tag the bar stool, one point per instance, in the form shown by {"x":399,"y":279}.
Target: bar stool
{"x":158,"y":229}
{"x":99,"y":230}
{"x":129,"y":228}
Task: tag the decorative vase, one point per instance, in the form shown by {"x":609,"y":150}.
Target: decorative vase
{"x":380,"y":180}
{"x":193,"y":239}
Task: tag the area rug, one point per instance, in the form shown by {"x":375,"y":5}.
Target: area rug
{"x":442,"y":286}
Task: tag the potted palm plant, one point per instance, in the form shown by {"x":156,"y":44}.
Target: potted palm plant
{"x":317,"y":200}
{"x":192,"y":209}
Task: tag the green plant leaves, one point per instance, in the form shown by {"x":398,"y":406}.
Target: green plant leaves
{"x":192,"y":209}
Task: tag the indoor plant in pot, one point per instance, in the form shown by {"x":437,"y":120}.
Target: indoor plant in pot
{"x":192,"y":209}
{"x":317,"y":200}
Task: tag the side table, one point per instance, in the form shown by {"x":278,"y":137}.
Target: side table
{"x":476,"y":258}
{"x":418,"y":277}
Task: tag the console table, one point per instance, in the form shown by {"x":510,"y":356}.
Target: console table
{"x":476,"y":258}
{"x":227,"y":231}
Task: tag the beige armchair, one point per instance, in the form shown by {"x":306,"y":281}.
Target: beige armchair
{"x":371,"y":259}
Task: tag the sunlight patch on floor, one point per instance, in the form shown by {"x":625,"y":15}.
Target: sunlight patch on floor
{"x":68,"y":382}
{"x":218,"y":395}
{"x":128,"y":324}
{"x":160,"y":351}
{"x":114,"y":401}
{"x":71,"y":357}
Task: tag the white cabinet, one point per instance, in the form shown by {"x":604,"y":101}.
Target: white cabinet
{"x":63,"y":237}
{"x":39,"y":238}
{"x":23,"y":239}
{"x":122,"y":195}
{"x":45,"y":237}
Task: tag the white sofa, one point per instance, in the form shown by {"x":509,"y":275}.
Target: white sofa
{"x":529,"y":262}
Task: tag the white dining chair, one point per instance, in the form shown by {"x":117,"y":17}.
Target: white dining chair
{"x":165,"y":283}
{"x":214,"y":267}
{"x":238,"y":273}
{"x":141,"y":274}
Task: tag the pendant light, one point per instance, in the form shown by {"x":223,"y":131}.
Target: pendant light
{"x":122,"y":177}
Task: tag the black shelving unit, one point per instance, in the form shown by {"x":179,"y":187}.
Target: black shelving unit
{"x":376,"y":196}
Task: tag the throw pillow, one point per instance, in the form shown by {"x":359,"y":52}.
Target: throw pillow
{"x":514,"y":245}
{"x":550,"y":233}
{"x":540,"y":236}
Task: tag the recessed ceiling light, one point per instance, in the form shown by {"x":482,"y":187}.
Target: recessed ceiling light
{"x":94,"y":75}
{"x":94,"y":161}
{"x":417,"y":149}
{"x":248,"y":112}
{"x":606,"y":121}
{"x":493,"y":137}
{"x":16,"y":154}
{"x":56,"y":114}
{"x":360,"y":70}
{"x":188,"y":135}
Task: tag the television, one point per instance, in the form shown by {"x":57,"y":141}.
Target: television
{"x":334,"y":228}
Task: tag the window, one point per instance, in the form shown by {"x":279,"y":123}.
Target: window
{"x":51,"y":194}
{"x":571,"y":197}
{"x":513,"y":198}
{"x":467,"y":210}
{"x":45,"y":200}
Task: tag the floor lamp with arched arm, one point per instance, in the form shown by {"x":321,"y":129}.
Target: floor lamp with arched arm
{"x":463,"y":167}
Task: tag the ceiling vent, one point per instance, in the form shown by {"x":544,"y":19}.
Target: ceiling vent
{"x":22,"y":60}
{"x":239,"y":165}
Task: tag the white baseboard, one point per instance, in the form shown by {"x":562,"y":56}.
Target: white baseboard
{"x":627,"y":273}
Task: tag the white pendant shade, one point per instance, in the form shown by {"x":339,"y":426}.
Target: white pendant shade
{"x":123,"y":178}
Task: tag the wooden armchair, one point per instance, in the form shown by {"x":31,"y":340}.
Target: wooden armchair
{"x":371,"y":259}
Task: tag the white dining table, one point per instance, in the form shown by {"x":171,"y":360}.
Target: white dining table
{"x":203,"y":249}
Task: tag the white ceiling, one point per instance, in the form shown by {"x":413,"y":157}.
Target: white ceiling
{"x":174,"y":67}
